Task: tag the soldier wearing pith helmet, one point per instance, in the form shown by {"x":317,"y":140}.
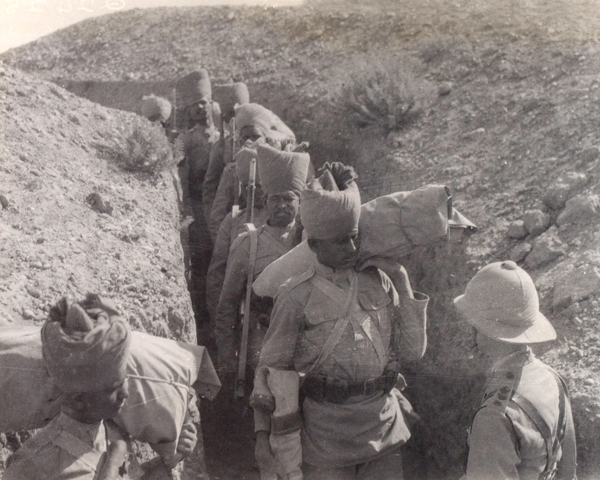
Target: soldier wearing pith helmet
{"x":524,"y":426}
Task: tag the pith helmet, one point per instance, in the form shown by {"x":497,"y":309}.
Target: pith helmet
{"x":501,"y":302}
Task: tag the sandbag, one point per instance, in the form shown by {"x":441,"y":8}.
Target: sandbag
{"x":391,"y":227}
{"x":160,"y":372}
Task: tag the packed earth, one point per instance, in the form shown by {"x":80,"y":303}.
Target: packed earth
{"x":500,"y":101}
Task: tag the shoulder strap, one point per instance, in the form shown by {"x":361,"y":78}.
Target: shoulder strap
{"x":540,"y":424}
{"x":555,"y":440}
{"x":338,"y":329}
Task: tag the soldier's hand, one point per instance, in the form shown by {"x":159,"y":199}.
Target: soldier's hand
{"x":187,"y":439}
{"x":264,"y":457}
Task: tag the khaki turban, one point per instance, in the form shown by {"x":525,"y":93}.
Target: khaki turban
{"x":281,"y":171}
{"x":85,"y":345}
{"x":229,"y":95}
{"x":326,"y":211}
{"x":269,"y":124}
{"x":242,"y":165}
{"x":154,"y":108}
{"x":192,"y":88}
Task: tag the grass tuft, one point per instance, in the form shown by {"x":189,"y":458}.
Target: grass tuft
{"x":385,"y":96}
{"x":143,"y":148}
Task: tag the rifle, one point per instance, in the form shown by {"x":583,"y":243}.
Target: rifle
{"x":253,"y":235}
{"x":235,"y":209}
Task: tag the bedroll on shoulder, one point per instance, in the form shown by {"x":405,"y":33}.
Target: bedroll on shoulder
{"x":161,"y":373}
{"x":390,"y":227}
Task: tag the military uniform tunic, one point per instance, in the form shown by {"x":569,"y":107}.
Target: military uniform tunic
{"x":273,"y":242}
{"x":364,"y":427}
{"x":231,"y":227}
{"x":63,"y":449}
{"x":504,"y":442}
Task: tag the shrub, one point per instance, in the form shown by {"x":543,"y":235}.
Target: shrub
{"x":144,"y":148}
{"x":383,"y":95}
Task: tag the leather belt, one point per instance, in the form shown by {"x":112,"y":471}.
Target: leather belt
{"x":336,"y":390}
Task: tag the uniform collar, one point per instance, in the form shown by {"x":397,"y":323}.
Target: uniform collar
{"x":333,"y":275}
{"x":88,"y":431}
{"x":513,"y":360}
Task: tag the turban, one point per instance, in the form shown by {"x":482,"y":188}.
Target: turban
{"x":242,"y":165}
{"x":330,"y":208}
{"x":230,"y":95}
{"x":269,"y":124}
{"x":192,"y":88}
{"x":85,"y":345}
{"x":153,"y":106}
{"x":281,"y":171}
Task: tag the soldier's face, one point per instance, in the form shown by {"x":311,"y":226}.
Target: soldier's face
{"x":199,"y":112}
{"x":250,"y":134}
{"x":282,"y":208}
{"x":106,"y":403}
{"x":339,"y":253}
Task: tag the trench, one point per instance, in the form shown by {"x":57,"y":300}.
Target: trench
{"x":444,"y":388}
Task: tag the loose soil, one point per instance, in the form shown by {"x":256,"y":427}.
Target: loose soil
{"x":509,"y":100}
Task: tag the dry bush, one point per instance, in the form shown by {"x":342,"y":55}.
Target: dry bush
{"x":386,"y":95}
{"x":144,"y":148}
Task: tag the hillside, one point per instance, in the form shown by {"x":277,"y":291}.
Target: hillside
{"x":73,"y":222}
{"x":508,"y":96}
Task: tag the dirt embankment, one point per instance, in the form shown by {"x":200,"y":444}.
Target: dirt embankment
{"x":509,"y":102}
{"x":72,"y":222}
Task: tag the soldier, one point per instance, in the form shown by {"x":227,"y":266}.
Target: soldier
{"x":346,"y":331}
{"x":85,"y":346}
{"x":253,"y":123}
{"x":221,"y":154}
{"x":231,"y":227}
{"x":156,"y":109}
{"x":524,"y":427}
{"x":282,"y":176}
{"x":193,"y":98}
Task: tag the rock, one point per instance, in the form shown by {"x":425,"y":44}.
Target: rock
{"x":589,"y":381}
{"x":96,"y":202}
{"x":4,"y":202}
{"x":33,"y":292}
{"x":521,"y":251}
{"x":536,"y":222}
{"x":565,"y":187}
{"x":576,"y":285}
{"x":445,"y":89}
{"x":546,"y":248}
{"x":517,"y":230}
{"x":28,"y":314}
{"x":577,"y":321}
{"x":590,"y":155}
{"x":581,"y":209}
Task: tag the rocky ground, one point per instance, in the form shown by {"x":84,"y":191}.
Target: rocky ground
{"x":508,"y":95}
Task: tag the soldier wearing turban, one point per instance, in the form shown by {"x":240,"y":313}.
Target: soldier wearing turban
{"x":347,"y":331}
{"x":253,"y":123}
{"x":231,"y":227}
{"x":193,"y":98}
{"x":156,"y":109}
{"x":220,"y":164}
{"x":85,"y":347}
